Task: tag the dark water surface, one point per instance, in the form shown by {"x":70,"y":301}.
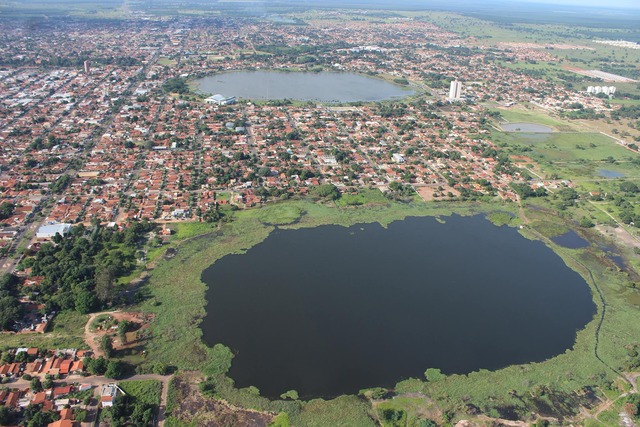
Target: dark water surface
{"x":322,"y":87}
{"x":526,"y":128}
{"x":606,"y":173}
{"x":570,"y":240}
{"x":332,"y":310}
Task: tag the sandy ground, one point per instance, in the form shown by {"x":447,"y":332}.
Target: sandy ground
{"x":427,"y":192}
{"x":92,"y":337}
{"x":619,"y":234}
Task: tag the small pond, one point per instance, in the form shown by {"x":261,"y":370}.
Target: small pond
{"x":607,"y":173}
{"x":301,"y":86}
{"x":526,"y":128}
{"x":570,"y":240}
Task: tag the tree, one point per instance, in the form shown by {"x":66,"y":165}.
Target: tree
{"x":10,"y":311}
{"x":176,"y":85}
{"x":586,"y":222}
{"x":35,"y":384}
{"x":123,"y":328}
{"x":115,"y":369}
{"x":97,"y":366}
{"x":42,"y":419}
{"x":8,"y":283}
{"x":328,"y":191}
{"x":85,"y":302}
{"x":104,"y":285}
{"x":7,"y":416}
{"x":393,"y":415}
{"x":106,"y":345}
{"x":47,"y":383}
{"x":142,"y":414}
{"x":6,"y":210}
{"x":628,"y":187}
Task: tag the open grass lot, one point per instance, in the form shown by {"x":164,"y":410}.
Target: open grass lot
{"x":572,"y":147}
{"x":143,"y":391}
{"x":528,"y":114}
{"x":67,"y":331}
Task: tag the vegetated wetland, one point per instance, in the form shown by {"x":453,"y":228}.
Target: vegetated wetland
{"x":178,"y":341}
{"x":331,"y":310}
{"x":301,"y":86}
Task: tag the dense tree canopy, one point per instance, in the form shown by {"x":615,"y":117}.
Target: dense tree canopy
{"x":80,"y":270}
{"x":175,"y":85}
{"x":6,"y":210}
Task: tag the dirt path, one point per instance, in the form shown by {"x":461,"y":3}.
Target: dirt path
{"x":163,"y":400}
{"x":92,"y":337}
{"x":633,"y":379}
{"x":504,"y":422}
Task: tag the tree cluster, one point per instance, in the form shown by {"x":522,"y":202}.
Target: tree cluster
{"x":126,"y":410}
{"x":524,"y":190}
{"x":10,"y":308}
{"x":6,"y":210}
{"x":79,"y":270}
{"x":175,"y":85}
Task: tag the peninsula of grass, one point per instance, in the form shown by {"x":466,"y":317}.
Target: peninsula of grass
{"x":178,"y":300}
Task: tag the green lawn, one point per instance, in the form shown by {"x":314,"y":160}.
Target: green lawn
{"x":365,"y":196}
{"x":143,"y":391}
{"x":534,"y":115}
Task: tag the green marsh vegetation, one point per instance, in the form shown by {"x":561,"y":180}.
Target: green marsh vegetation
{"x":177,"y":297}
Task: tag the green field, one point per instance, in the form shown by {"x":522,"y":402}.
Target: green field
{"x":573,"y":156}
{"x":144,"y":391}
{"x":66,"y":331}
{"x":530,"y":114}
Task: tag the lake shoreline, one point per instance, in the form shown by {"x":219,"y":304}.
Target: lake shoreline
{"x":352,"y":87}
{"x":179,"y":319}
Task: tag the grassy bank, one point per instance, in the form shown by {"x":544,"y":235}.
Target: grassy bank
{"x":180,"y":305}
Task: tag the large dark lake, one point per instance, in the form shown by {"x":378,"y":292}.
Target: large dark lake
{"x":332,"y":310}
{"x":321,"y":87}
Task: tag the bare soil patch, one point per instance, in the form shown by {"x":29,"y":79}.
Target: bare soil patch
{"x":437,"y":192}
{"x":106,"y":323}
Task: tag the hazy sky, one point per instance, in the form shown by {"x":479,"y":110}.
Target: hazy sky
{"x":604,"y":3}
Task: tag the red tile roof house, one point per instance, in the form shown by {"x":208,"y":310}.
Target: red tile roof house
{"x":39,"y":398}
{"x":62,"y":391}
{"x":65,"y":366}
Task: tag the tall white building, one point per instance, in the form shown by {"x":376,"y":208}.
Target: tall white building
{"x":455,"y":90}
